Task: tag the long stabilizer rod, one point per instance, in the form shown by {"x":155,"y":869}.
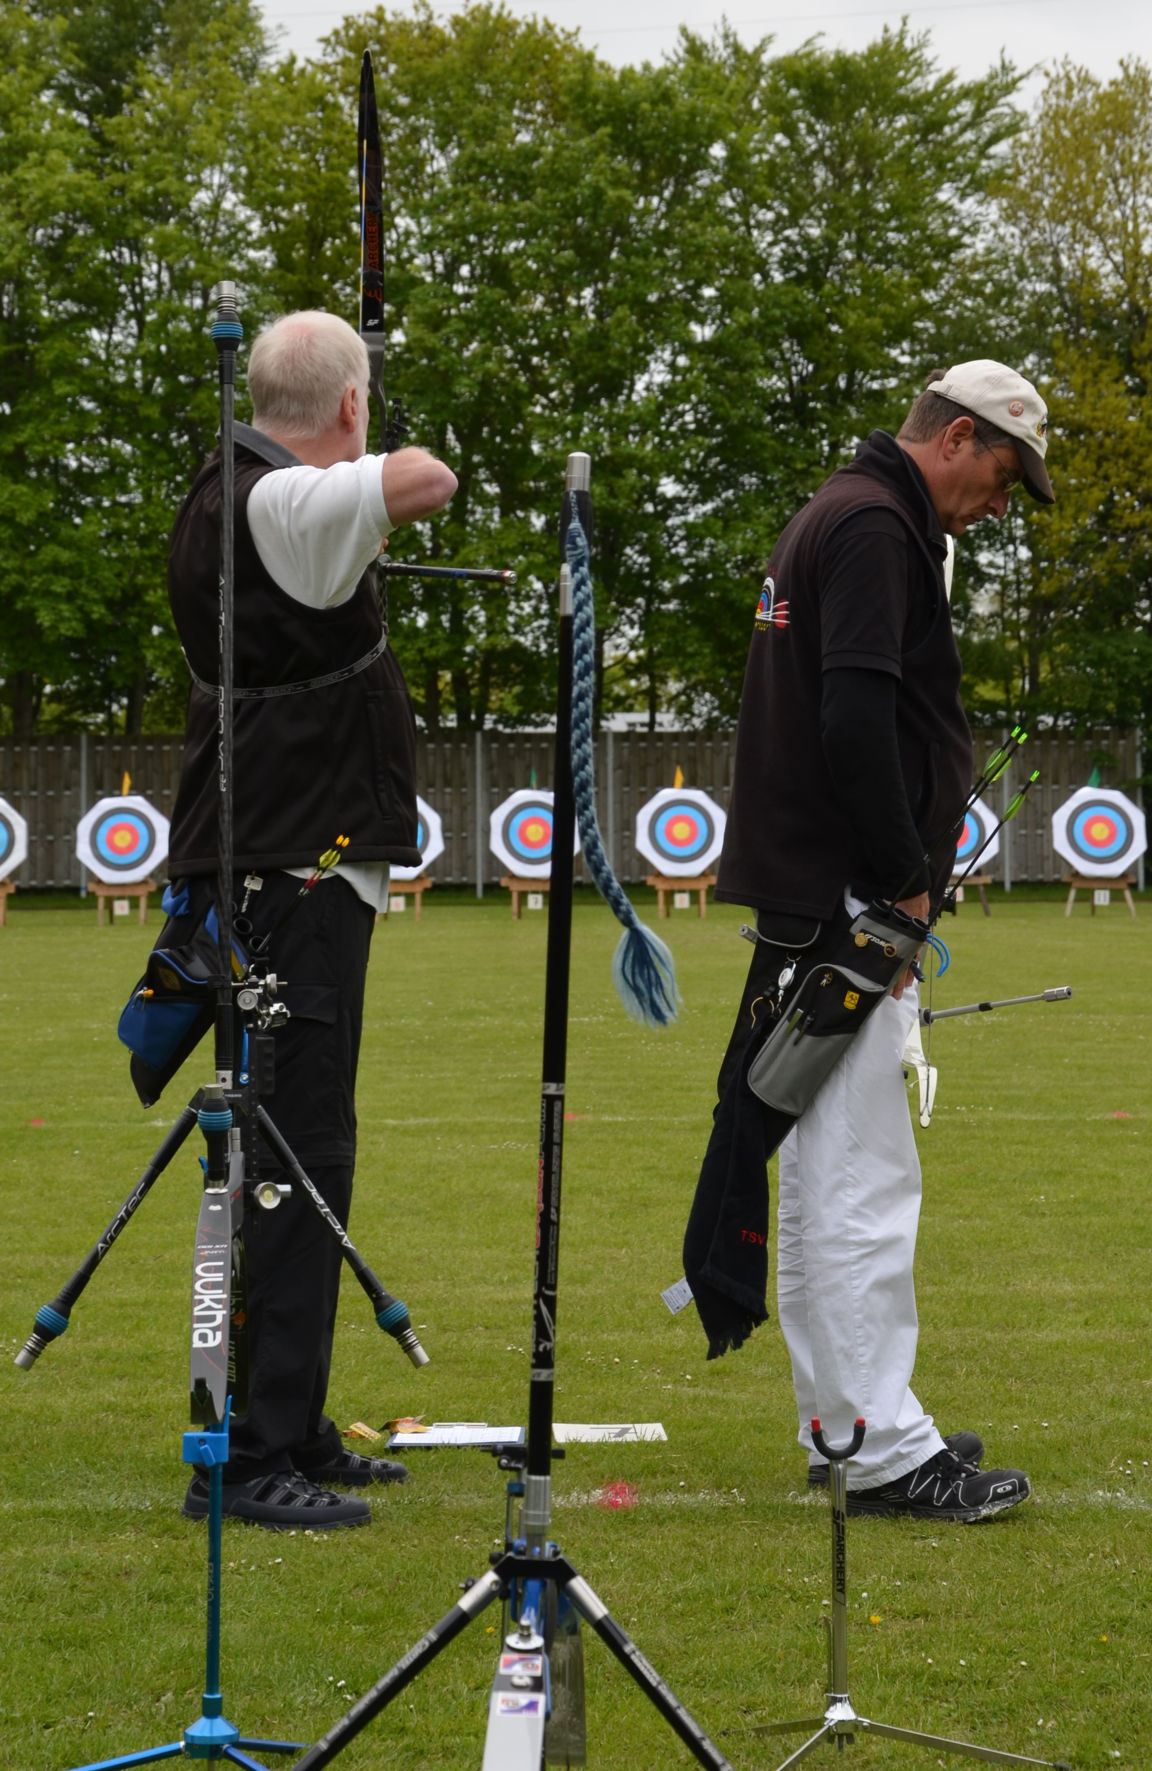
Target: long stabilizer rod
{"x":1059,"y":993}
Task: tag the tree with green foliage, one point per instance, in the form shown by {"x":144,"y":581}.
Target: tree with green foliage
{"x":714,"y":275}
{"x":848,"y":191}
{"x":1062,"y":627}
{"x":537,"y":206}
{"x":118,"y":214}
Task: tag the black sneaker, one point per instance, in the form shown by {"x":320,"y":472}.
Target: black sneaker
{"x":281,"y":1502}
{"x":941,"y":1489}
{"x":968,"y":1447}
{"x":349,"y":1470}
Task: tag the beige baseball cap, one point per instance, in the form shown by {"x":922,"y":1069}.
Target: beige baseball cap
{"x":1005,"y":399}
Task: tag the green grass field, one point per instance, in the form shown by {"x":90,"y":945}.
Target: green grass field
{"x":1032,"y":1633}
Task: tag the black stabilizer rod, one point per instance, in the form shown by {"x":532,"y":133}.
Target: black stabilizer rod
{"x":478,"y":574}
{"x":391,"y":1314}
{"x":52,"y":1319}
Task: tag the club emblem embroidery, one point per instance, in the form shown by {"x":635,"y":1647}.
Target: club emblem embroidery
{"x":772,"y":609}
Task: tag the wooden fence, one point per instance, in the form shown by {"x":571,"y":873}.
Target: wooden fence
{"x":54,"y":781}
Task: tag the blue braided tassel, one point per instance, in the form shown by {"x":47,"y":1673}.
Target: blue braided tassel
{"x":642,"y":967}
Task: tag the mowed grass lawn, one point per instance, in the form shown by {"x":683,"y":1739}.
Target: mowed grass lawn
{"x":1032,"y":1633}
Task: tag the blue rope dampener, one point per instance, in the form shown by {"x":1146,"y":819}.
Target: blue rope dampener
{"x":643,"y":968}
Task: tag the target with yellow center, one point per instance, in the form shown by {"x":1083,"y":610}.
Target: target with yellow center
{"x":520,"y":833}
{"x":122,"y":839}
{"x":1100,"y":831}
{"x":680,"y":830}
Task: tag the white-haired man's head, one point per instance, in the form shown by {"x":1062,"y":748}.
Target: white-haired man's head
{"x":299,"y":370}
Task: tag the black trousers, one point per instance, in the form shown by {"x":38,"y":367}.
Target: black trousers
{"x":294,"y":1262}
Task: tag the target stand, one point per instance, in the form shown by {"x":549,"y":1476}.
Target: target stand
{"x":1079,"y":882}
{"x":979,"y":880}
{"x":519,"y":887}
{"x":410,"y":888}
{"x":140,"y":890}
{"x":663,"y":884}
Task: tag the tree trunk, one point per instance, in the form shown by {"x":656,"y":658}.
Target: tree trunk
{"x":432,"y":701}
{"x":25,"y":694}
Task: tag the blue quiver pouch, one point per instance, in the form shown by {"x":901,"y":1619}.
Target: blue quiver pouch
{"x":174,"y":1003}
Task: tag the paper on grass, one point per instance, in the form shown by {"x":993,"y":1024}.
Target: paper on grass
{"x":459,"y":1432}
{"x":634,"y":1433}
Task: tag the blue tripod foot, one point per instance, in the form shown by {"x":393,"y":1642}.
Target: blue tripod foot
{"x":211,"y":1738}
{"x":214,"y":1737}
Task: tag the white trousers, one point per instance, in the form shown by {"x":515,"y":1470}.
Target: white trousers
{"x":849,"y":1208}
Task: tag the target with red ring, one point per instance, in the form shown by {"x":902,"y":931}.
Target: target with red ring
{"x":1100,"y":831}
{"x":680,"y":830}
{"x":520,"y":833}
{"x":13,"y":838}
{"x":122,"y":839}
{"x":429,"y":840}
{"x":979,"y":827}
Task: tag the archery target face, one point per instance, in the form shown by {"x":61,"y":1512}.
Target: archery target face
{"x":122,"y":839}
{"x":13,"y":839}
{"x":429,"y":840}
{"x":1101,"y":832}
{"x":680,"y":831}
{"x":520,"y":833}
{"x":978,"y":827}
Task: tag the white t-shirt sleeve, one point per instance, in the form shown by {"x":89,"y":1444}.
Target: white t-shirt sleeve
{"x":317,"y":528}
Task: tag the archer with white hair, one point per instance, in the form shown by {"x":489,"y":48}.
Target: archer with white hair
{"x":324,"y":745}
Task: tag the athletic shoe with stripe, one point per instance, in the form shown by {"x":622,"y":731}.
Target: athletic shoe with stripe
{"x":944,"y":1488}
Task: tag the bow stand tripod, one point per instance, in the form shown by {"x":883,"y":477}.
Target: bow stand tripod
{"x":540,"y":1668}
{"x":840,"y":1721}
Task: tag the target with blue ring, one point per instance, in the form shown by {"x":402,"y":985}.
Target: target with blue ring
{"x":1100,"y":831}
{"x":429,"y":840}
{"x":122,"y":839}
{"x":680,"y":830}
{"x":979,"y":828}
{"x":13,"y":838}
{"x":520,"y":833}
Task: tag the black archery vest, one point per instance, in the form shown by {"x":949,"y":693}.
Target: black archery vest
{"x":788,"y":846}
{"x":336,"y":758}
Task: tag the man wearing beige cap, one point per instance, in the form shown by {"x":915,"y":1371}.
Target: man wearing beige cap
{"x":853,"y":761}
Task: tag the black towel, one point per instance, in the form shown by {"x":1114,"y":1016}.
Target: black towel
{"x":726,"y":1242}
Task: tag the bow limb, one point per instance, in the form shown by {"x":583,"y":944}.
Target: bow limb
{"x":372,"y":240}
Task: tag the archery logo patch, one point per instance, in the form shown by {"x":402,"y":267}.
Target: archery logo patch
{"x":772,"y":609}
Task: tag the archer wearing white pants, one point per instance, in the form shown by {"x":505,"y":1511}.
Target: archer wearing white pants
{"x":849,"y":1206}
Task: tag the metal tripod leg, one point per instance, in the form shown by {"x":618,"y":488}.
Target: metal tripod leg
{"x":402,"y":1674}
{"x":840,"y":1722}
{"x":597,"y":1615}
